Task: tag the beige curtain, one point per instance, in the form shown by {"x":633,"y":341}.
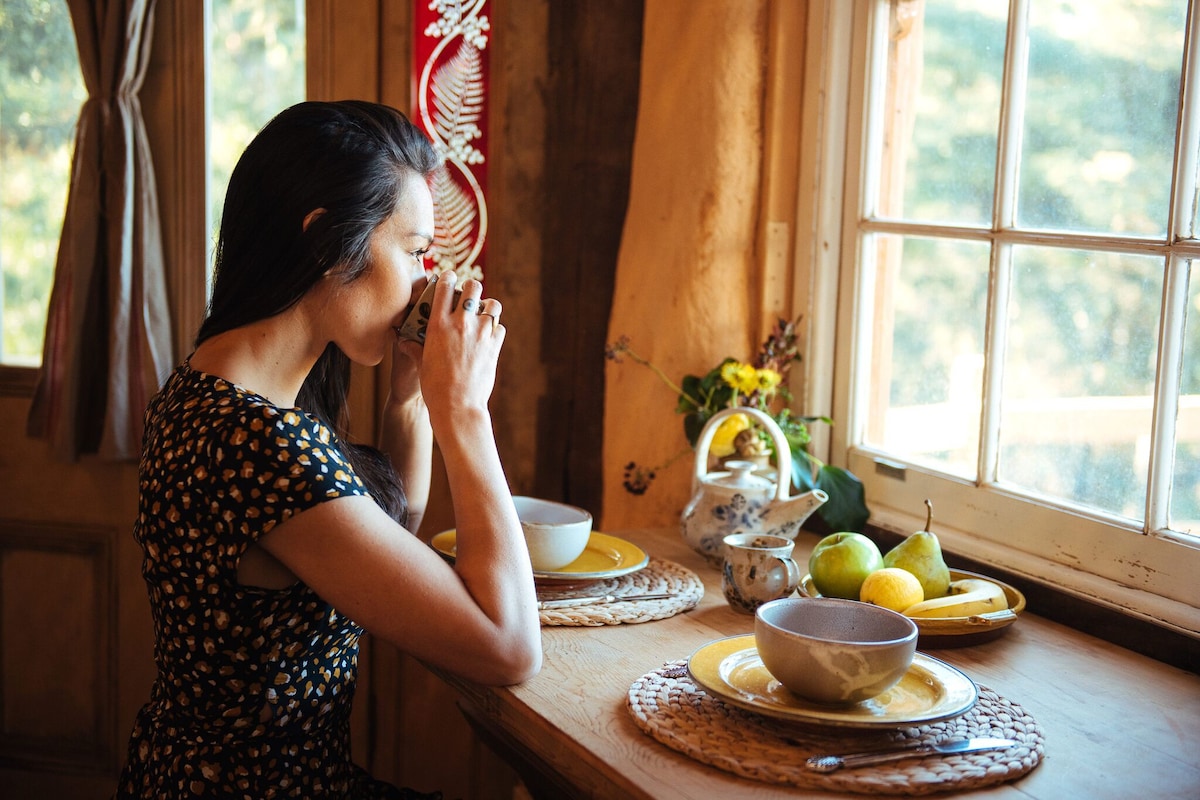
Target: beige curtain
{"x":687,"y":274}
{"x":108,"y":335}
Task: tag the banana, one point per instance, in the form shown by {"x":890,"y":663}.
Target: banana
{"x":967,"y":597}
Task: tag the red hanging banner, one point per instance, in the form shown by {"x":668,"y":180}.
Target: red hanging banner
{"x":451,"y":65}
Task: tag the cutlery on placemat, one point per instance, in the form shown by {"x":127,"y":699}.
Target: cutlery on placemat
{"x":572,"y":602}
{"x":831,"y":763}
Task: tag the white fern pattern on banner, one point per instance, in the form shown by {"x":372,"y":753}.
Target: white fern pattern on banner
{"x":451,"y":105}
{"x":454,"y":217}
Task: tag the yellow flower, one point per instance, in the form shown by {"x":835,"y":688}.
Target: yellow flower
{"x":742,"y":377}
{"x":727,"y":431}
{"x":768,"y":380}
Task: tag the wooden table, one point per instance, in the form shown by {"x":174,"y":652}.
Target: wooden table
{"x":1116,"y":724}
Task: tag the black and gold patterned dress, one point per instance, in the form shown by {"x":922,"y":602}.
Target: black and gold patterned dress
{"x":254,"y":686}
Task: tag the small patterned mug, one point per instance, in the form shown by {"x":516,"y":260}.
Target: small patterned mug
{"x":758,"y":568}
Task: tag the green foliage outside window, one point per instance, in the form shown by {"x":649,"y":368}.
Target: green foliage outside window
{"x":41,"y":91}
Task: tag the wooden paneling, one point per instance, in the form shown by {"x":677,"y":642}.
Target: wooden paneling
{"x":57,"y":647}
{"x":594,"y":52}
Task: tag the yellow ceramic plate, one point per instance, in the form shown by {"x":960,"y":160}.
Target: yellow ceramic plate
{"x":732,"y":670}
{"x":604,"y":557}
{"x":957,"y":626}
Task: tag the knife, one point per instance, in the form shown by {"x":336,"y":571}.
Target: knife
{"x":573,"y":602}
{"x":916,"y":750}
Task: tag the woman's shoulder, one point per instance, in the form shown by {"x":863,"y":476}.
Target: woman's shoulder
{"x":195,"y":395}
{"x":207,"y":412}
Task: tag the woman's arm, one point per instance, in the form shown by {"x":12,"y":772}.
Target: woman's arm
{"x":406,"y":437}
{"x":475,"y":621}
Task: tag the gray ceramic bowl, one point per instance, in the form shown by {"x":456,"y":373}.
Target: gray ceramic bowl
{"x":834,"y":652}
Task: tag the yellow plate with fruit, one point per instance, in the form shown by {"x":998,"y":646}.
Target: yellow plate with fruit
{"x":958,"y":630}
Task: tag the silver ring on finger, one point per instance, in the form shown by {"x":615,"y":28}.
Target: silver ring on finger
{"x":495,"y":318}
{"x":470,"y":304}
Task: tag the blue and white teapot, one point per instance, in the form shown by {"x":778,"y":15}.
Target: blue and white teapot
{"x":739,"y":500}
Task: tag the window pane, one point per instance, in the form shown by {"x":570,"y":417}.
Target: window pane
{"x":41,"y":92}
{"x":943,"y":109}
{"x":1079,"y":376}
{"x":927,"y":350}
{"x":1185,"y":489}
{"x":1101,"y":113}
{"x":1194,"y":231}
{"x":255,"y":70}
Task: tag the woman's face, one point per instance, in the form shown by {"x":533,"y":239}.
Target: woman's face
{"x":372,"y":305}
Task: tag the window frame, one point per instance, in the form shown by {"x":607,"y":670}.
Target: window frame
{"x":1140,"y":572}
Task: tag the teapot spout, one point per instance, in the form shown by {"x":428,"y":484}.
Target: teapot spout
{"x":785,"y":517}
{"x":810,"y":501}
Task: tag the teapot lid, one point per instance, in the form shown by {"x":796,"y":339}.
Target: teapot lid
{"x":740,"y":476}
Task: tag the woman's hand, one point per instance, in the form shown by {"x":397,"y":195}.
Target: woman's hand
{"x":462,"y":348}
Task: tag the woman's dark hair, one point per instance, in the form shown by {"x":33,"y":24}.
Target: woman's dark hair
{"x":347,"y":158}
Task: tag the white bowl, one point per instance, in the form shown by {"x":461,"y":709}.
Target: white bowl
{"x":555,"y":533}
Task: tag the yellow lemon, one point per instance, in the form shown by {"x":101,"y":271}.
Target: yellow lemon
{"x":726,"y":432}
{"x":891,"y":587}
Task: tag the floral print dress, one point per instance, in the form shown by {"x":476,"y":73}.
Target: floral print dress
{"x":254,"y":686}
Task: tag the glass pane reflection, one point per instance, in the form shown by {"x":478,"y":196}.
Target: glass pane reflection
{"x":943,"y":95}
{"x":256,"y":68}
{"x":927,"y":350}
{"x":41,"y":94}
{"x":1101,"y":113}
{"x":1078,"y":376}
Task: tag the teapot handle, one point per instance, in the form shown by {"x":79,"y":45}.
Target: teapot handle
{"x":783,"y":453}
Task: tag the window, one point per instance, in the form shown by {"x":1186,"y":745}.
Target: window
{"x":41,"y":91}
{"x":254,"y":64}
{"x":1018,"y":335}
{"x":255,"y":68}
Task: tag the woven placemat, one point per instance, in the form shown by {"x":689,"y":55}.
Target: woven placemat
{"x":657,"y":577}
{"x":668,"y":706}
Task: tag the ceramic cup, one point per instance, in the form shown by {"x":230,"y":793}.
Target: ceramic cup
{"x":555,"y":533}
{"x":417,"y":321}
{"x":758,"y":568}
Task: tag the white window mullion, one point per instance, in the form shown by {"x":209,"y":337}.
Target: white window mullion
{"x":993,"y":359}
{"x":1012,"y":116}
{"x":1187,"y":148}
{"x":877,"y":57}
{"x":869,"y":45}
{"x":1166,"y":396}
{"x":1181,"y":220}
{"x":1004,"y":217}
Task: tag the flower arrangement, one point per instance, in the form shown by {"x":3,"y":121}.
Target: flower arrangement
{"x":760,"y":384}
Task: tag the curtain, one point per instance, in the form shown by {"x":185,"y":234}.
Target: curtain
{"x":687,"y":274}
{"x":108,"y":334}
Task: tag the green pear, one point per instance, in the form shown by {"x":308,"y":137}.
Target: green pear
{"x":921,"y":554}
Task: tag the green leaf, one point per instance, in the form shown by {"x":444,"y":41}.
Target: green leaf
{"x":693,"y":424}
{"x":846,"y":509}
{"x":691,"y":389}
{"x":802,"y":470}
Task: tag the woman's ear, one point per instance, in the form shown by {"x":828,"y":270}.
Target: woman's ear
{"x":312,"y":215}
